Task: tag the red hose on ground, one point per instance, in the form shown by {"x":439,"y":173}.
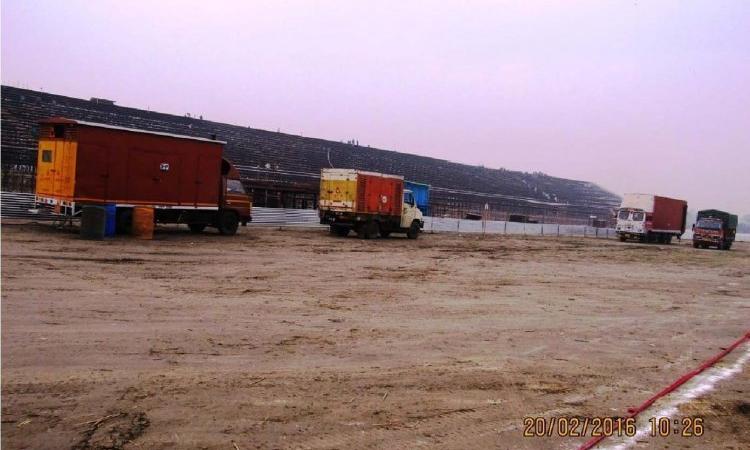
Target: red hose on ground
{"x":632,"y":412}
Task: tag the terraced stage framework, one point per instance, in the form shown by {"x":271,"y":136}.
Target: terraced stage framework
{"x":282,"y":170}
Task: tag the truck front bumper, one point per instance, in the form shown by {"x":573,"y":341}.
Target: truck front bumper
{"x":709,"y":240}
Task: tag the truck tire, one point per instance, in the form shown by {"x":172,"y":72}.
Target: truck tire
{"x":340,"y":230}
{"x":695,"y":244}
{"x":413,"y":231}
{"x":668,"y":239}
{"x":124,"y":221}
{"x":384,"y":231}
{"x":227,"y":222}
{"x":622,"y":238}
{"x":368,"y":230}
{"x":197,"y":227}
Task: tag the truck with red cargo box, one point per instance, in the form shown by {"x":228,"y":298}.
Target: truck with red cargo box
{"x":650,"y":218}
{"x":369,"y":203}
{"x":714,"y":228}
{"x":184,"y":178}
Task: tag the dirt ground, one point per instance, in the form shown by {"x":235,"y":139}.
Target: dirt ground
{"x":296,"y":339}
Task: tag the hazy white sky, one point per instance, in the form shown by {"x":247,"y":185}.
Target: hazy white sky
{"x":637,"y":96}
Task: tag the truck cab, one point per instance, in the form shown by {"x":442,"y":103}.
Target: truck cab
{"x":411,"y":212}
{"x":234,"y":206}
{"x":631,"y":223}
{"x":708,"y":231}
{"x":233,"y":195}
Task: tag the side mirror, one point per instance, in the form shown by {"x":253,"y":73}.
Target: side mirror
{"x":693,"y":227}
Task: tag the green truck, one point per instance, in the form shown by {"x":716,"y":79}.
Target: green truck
{"x":714,"y":228}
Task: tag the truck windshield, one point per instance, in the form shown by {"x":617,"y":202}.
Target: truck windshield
{"x":235,"y":187}
{"x":709,"y":224}
{"x":409,"y":198}
{"x":637,"y":216}
{"x":623,"y":214}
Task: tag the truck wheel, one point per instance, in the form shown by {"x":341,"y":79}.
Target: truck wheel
{"x":124,"y":221}
{"x":695,"y":244}
{"x":197,"y":227}
{"x":227,"y":223}
{"x":339,"y":230}
{"x":668,"y":240}
{"x":413,"y":232}
{"x":622,"y":238}
{"x":368,"y":230}
{"x":384,"y":231}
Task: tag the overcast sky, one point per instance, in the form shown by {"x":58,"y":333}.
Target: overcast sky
{"x":637,"y":96}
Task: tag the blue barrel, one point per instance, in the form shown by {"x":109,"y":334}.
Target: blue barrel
{"x":109,"y":226}
{"x":93,"y":219}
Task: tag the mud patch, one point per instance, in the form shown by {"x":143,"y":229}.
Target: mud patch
{"x":112,"y":432}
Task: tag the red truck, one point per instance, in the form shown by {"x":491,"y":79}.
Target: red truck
{"x":714,"y":228}
{"x":369,"y":203}
{"x":650,"y":218}
{"x":184,"y":178}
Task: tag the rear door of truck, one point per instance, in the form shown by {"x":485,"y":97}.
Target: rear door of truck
{"x":338,"y":192}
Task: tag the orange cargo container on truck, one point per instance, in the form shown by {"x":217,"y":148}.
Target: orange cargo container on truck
{"x":369,"y":203}
{"x":184,"y":178}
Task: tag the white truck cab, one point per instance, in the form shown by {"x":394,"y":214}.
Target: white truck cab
{"x":410,"y":211}
{"x":631,"y":221}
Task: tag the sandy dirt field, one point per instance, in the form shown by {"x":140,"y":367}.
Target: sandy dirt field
{"x":296,"y":339}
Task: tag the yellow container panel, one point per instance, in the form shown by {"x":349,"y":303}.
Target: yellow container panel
{"x":339,"y":193}
{"x":56,"y":168}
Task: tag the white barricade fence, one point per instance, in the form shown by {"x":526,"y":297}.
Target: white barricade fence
{"x":444,"y":224}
